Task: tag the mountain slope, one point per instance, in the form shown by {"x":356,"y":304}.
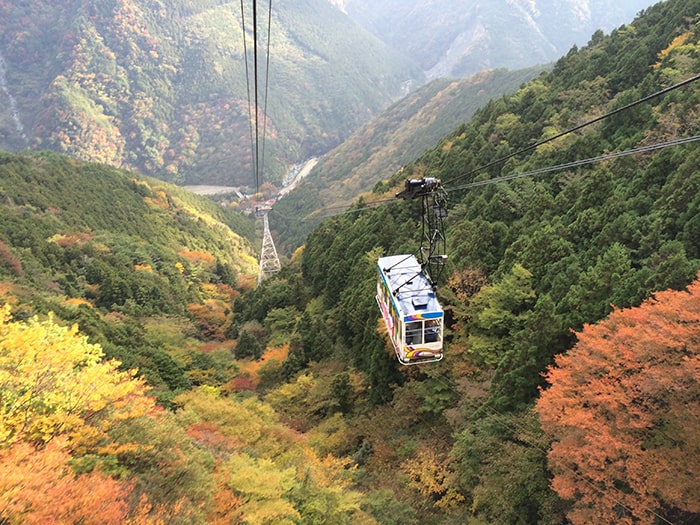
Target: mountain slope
{"x":64,"y":222}
{"x":532,"y":261}
{"x":463,"y":37}
{"x":162,"y":88}
{"x":385,"y":144}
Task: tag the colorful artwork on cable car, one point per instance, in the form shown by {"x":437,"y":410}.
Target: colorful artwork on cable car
{"x":411,"y":311}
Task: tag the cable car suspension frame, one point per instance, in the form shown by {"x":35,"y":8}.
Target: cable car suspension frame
{"x":432,"y":254}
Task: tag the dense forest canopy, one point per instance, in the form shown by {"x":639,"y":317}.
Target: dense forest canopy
{"x":144,"y":371}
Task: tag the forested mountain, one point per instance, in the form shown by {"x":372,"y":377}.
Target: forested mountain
{"x":160,"y":87}
{"x":382,"y":146}
{"x":534,"y":262}
{"x":568,"y":392}
{"x":82,"y":238}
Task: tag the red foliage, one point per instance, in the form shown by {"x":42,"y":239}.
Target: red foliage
{"x":10,"y":261}
{"x":243,"y":382}
{"x":624,"y":415}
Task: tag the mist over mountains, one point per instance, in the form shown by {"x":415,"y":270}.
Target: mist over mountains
{"x":462,"y":37}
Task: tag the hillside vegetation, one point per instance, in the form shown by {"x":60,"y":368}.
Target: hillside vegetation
{"x":284,"y":403}
{"x":379,"y":148}
{"x":530,"y":260}
{"x":85,"y":240}
{"x":160,"y":87}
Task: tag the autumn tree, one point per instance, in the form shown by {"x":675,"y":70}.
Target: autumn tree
{"x":30,"y":478}
{"x":54,"y":382}
{"x":623,"y":414}
{"x":63,"y":415}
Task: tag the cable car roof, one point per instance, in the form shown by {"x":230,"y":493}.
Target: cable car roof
{"x":410,"y":288}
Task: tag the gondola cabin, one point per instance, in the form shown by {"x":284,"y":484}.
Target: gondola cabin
{"x":410,"y":309}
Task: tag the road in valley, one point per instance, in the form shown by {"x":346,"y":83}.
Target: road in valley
{"x":203,"y":189}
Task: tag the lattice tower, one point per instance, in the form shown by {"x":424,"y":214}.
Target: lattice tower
{"x":269,"y":262}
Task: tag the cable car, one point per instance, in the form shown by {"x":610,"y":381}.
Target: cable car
{"x":411,"y":311}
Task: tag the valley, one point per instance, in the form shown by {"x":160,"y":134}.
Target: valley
{"x":148,"y":377}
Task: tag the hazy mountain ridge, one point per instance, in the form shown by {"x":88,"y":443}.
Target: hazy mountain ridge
{"x":462,"y":37}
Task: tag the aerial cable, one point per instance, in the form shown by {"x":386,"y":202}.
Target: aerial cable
{"x":578,"y":163}
{"x":505,"y":178}
{"x":267,"y":84}
{"x":539,"y":171}
{"x":257,"y":138}
{"x":575,"y":128}
{"x":256,"y":160}
{"x":250,"y":99}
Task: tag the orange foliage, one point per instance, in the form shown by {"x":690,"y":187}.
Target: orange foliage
{"x":160,"y":200}
{"x":251,"y":368}
{"x":623,"y":413}
{"x":209,"y":347}
{"x":225,"y":505}
{"x":77,"y":301}
{"x":37,"y":487}
{"x":204,"y":259}
{"x":247,"y":282}
{"x":72,"y":239}
{"x":211,"y":317}
{"x":6,"y":292}
{"x":227,"y":291}
{"x":241,"y":383}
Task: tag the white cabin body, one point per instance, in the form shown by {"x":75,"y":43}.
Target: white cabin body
{"x":411,"y":311}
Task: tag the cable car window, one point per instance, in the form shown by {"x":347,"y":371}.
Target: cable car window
{"x":414,"y":333}
{"x":432,"y":331}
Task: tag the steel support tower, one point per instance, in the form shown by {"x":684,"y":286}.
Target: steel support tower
{"x":269,"y":262}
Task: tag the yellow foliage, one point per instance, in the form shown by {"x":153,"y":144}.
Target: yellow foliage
{"x":143,"y":268}
{"x":431,"y":476}
{"x":77,"y":301}
{"x":54,"y":382}
{"x":298,"y":254}
{"x":215,"y":291}
{"x":676,"y":42}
